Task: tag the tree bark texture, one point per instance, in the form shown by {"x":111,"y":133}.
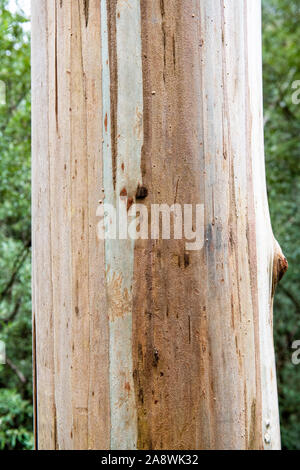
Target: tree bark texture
{"x":145,"y":345}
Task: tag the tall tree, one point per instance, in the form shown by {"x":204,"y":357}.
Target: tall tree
{"x":147,"y":344}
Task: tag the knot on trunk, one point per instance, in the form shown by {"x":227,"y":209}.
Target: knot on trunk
{"x":280,"y":266}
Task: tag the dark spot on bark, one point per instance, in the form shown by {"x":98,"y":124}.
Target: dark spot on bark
{"x":123,"y":167}
{"x":123,"y":193}
{"x":105,"y":122}
{"x":127,"y":387}
{"x":142,"y":192}
{"x":141,"y":395}
{"x":77,"y":310}
{"x":155,"y":358}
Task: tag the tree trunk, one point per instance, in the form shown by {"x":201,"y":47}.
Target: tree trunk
{"x":146,"y":344}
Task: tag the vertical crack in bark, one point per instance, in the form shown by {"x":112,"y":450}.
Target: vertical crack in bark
{"x":56,"y":71}
{"x":163,"y":27}
{"x":113,"y":63}
{"x":56,"y":446}
{"x":174,"y":52}
{"x":86,"y":11}
{"x":35,"y":407}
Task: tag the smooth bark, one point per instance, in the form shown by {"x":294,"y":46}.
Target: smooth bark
{"x":145,"y":344}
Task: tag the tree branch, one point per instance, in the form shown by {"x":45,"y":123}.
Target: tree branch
{"x":291,"y":296}
{"x":13,"y":314}
{"x":17,"y":371}
{"x":15,"y":272}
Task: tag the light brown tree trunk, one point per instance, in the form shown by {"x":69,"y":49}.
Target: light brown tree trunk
{"x":146,"y":344}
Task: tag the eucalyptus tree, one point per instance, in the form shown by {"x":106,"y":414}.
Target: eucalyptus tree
{"x":147,"y":343}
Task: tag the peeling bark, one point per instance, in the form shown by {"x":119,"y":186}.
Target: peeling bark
{"x":280,"y":266}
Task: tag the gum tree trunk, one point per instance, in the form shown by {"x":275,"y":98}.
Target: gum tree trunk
{"x":145,"y":344}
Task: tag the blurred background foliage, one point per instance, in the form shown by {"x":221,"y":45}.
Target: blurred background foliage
{"x":15,"y":233}
{"x":281,"y":20}
{"x":281,"y":54}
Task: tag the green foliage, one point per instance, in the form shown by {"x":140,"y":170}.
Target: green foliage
{"x":15,"y":421}
{"x":281,"y":19}
{"x":15,"y":237}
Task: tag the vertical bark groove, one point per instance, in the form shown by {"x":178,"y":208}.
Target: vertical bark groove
{"x":113,"y":66}
{"x":86,"y":12}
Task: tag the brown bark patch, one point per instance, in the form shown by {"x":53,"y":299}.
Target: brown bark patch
{"x":280,"y":267}
{"x":119,"y":304}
